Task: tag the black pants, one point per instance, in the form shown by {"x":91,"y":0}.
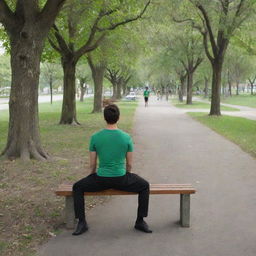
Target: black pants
{"x":129,"y":182}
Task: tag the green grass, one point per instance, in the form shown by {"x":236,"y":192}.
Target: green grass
{"x":243,"y":100}
{"x":198,"y":105}
{"x":29,"y":215}
{"x":240,"y":130}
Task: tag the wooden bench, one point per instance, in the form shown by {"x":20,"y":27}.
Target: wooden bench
{"x":155,"y":189}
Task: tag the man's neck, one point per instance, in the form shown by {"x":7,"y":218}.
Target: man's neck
{"x":111,"y":126}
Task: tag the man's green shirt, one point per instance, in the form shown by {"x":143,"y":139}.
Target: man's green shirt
{"x":146,"y":93}
{"x":111,"y":147}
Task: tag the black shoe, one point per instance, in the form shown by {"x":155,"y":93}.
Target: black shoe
{"x":81,"y":228}
{"x":142,"y":226}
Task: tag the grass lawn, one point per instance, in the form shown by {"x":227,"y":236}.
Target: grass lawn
{"x":240,"y":130}
{"x":30,"y":213}
{"x":243,"y":100}
{"x":198,"y":105}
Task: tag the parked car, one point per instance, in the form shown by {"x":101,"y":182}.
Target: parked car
{"x":131,"y":96}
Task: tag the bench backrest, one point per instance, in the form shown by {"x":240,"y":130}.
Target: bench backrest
{"x":66,"y":190}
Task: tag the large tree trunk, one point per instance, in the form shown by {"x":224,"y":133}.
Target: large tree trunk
{"x":27,"y":28}
{"x":68,"y":114}
{"x":216,"y":87}
{"x":182,"y":87}
{"x":237,"y":87}
{"x":23,"y":135}
{"x":252,"y":89}
{"x":98,"y":76}
{"x":119,"y":91}
{"x":180,"y":94}
{"x":230,"y":88}
{"x":114,"y":96}
{"x":189,"y":87}
{"x":124,"y":89}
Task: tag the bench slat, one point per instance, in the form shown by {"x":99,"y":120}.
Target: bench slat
{"x":66,"y":190}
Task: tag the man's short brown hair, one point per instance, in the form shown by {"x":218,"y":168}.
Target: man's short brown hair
{"x":111,"y":113}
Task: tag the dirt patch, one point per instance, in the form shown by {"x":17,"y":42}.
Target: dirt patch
{"x":30,"y":212}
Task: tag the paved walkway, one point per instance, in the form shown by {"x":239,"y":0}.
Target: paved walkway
{"x":173,"y":148}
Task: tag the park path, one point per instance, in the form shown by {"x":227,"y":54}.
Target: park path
{"x":170,"y":147}
{"x":244,"y":111}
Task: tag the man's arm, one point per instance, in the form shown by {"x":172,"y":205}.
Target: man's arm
{"x":129,"y":161}
{"x":93,"y":161}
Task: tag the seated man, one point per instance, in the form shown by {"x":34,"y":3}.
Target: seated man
{"x":112,"y":146}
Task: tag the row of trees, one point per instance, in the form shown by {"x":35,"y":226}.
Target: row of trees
{"x":74,"y":28}
{"x":202,"y":41}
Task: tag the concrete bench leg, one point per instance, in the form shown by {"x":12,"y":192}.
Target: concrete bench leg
{"x":69,"y":212}
{"x":185,"y":210}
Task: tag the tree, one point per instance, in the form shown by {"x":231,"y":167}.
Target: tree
{"x":75,"y":37}
{"x":217,"y":22}
{"x":27,"y":26}
{"x":189,"y":51}
{"x":83,"y":77}
{"x":50,"y":74}
{"x":98,"y":68}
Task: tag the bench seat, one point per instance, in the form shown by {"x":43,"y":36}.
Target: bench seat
{"x":184,"y":190}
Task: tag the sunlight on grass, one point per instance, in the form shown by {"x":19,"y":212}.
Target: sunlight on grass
{"x":198,"y":105}
{"x":242,"y":100}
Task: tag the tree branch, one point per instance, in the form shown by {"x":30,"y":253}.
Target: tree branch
{"x":209,"y":28}
{"x":90,"y":62}
{"x":205,"y":43}
{"x":88,"y":48}
{"x":54,"y":46}
{"x":50,"y":12}
{"x":61,"y":41}
{"x":7,"y":17}
{"x":113,"y":26}
{"x":198,"y":62}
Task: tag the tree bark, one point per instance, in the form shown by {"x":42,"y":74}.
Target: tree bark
{"x":189,"y":87}
{"x":68,"y":114}
{"x":23,"y":136}
{"x":83,"y":89}
{"x":98,"y":76}
{"x":182,"y":87}
{"x":216,"y":87}
{"x":27,"y":29}
{"x":119,"y":91}
{"x":114,"y":96}
{"x":51,"y":86}
{"x":230,"y":88}
{"x":206,"y":87}
{"x":124,"y":89}
{"x":237,"y":87}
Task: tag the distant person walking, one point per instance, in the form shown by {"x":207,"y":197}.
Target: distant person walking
{"x":146,"y":96}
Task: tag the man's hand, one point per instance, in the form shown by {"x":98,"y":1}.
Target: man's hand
{"x":93,"y":161}
{"x":129,"y":161}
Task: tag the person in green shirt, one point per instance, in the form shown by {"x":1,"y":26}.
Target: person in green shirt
{"x":114,"y":149}
{"x":146,"y":96}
